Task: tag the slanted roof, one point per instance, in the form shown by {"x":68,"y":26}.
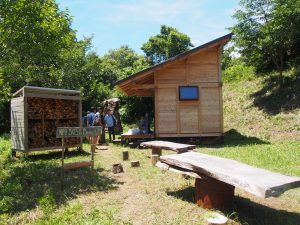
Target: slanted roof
{"x":142,"y":83}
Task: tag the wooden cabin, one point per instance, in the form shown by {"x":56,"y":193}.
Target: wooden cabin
{"x":187,"y":91}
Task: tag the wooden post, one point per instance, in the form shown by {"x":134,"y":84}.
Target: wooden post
{"x":154,"y":159}
{"x":125,"y":155}
{"x":93,"y":149}
{"x":117,"y":168}
{"x":156,"y":151}
{"x":135,"y":163}
{"x":62,"y":165}
{"x":211,"y":193}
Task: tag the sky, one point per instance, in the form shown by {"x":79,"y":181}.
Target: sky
{"x":131,"y":22}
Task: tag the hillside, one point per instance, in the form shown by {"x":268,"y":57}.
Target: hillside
{"x":259,"y":108}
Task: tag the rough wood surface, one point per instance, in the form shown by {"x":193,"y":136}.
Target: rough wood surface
{"x":168,"y":145}
{"x":154,"y":159}
{"x":260,"y":182}
{"x":165,"y":166}
{"x":135,"y":163}
{"x":125,"y":155}
{"x":117,"y":168}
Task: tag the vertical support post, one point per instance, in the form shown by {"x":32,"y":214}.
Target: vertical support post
{"x":156,"y":151}
{"x":154,"y":159}
{"x":62,"y":165}
{"x":93,"y":148}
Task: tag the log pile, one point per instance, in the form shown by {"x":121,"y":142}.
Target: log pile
{"x":45,"y":115}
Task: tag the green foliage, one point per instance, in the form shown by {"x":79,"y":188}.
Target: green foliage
{"x":168,"y":43}
{"x":47,"y":204}
{"x":267,"y":33}
{"x":237,"y":72}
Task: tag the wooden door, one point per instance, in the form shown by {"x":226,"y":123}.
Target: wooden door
{"x":166,"y":111}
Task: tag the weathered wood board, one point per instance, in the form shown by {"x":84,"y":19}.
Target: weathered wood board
{"x":260,"y":182}
{"x":168,"y":145}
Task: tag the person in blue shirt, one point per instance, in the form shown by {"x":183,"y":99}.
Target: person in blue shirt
{"x":90,"y":120}
{"x":91,"y":117}
{"x":84,"y":119}
{"x":110,"y":121}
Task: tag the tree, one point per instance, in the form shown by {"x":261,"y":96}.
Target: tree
{"x":168,"y":43}
{"x":267,"y":32}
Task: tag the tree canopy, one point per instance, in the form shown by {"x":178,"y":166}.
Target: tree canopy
{"x":168,"y":43}
{"x":267,"y":33}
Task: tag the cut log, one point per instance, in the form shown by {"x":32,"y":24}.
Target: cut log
{"x":211,"y":193}
{"x":135,"y":163}
{"x":76,"y":165}
{"x":125,"y":155}
{"x":117,"y":168}
{"x":260,"y":182}
{"x":154,"y":159}
{"x":156,"y":151}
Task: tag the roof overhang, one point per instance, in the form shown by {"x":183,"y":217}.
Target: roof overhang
{"x":142,"y":83}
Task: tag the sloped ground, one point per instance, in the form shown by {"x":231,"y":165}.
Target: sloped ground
{"x":262,"y":109}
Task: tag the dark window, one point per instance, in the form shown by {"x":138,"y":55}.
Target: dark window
{"x":188,"y":93}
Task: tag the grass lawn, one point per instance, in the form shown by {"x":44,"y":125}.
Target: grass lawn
{"x":30,"y":188}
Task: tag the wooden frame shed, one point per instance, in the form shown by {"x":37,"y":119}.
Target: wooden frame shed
{"x":199,"y":70}
{"x":36,"y":113}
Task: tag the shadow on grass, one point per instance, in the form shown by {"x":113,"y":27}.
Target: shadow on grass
{"x":278,"y":96}
{"x":186,"y":194}
{"x":257,"y":214}
{"x":22,"y":184}
{"x":234,"y":138}
{"x":56,"y":155}
{"x":248,"y":212}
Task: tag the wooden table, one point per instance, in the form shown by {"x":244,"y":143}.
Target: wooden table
{"x":219,"y":177}
{"x":157,"y":146}
{"x":129,"y":137}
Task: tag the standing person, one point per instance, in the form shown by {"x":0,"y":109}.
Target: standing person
{"x":97,"y":121}
{"x":90,"y":121}
{"x":110,"y":121}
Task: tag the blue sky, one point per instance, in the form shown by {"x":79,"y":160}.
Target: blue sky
{"x":118,"y":22}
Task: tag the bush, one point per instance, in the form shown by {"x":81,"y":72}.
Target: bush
{"x":238,"y":72}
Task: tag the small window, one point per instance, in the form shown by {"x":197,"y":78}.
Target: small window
{"x":188,"y":93}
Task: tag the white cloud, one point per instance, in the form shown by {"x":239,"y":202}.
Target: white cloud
{"x":158,"y":11}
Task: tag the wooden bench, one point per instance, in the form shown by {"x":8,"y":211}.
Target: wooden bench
{"x":157,"y":146}
{"x":126,"y":138}
{"x":217,"y":177}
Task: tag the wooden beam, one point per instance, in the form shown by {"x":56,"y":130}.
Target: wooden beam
{"x":142,"y":86}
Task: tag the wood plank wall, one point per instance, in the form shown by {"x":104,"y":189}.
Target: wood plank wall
{"x":18,"y":123}
{"x":190,"y":118}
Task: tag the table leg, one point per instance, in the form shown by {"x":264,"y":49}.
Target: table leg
{"x":211,"y":193}
{"x":156,"y":151}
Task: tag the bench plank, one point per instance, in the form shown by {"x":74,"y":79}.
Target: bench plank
{"x":168,"y":145}
{"x":260,"y":182}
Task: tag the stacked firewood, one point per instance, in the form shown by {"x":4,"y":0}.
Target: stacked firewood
{"x":52,"y":108}
{"x":45,"y":115}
